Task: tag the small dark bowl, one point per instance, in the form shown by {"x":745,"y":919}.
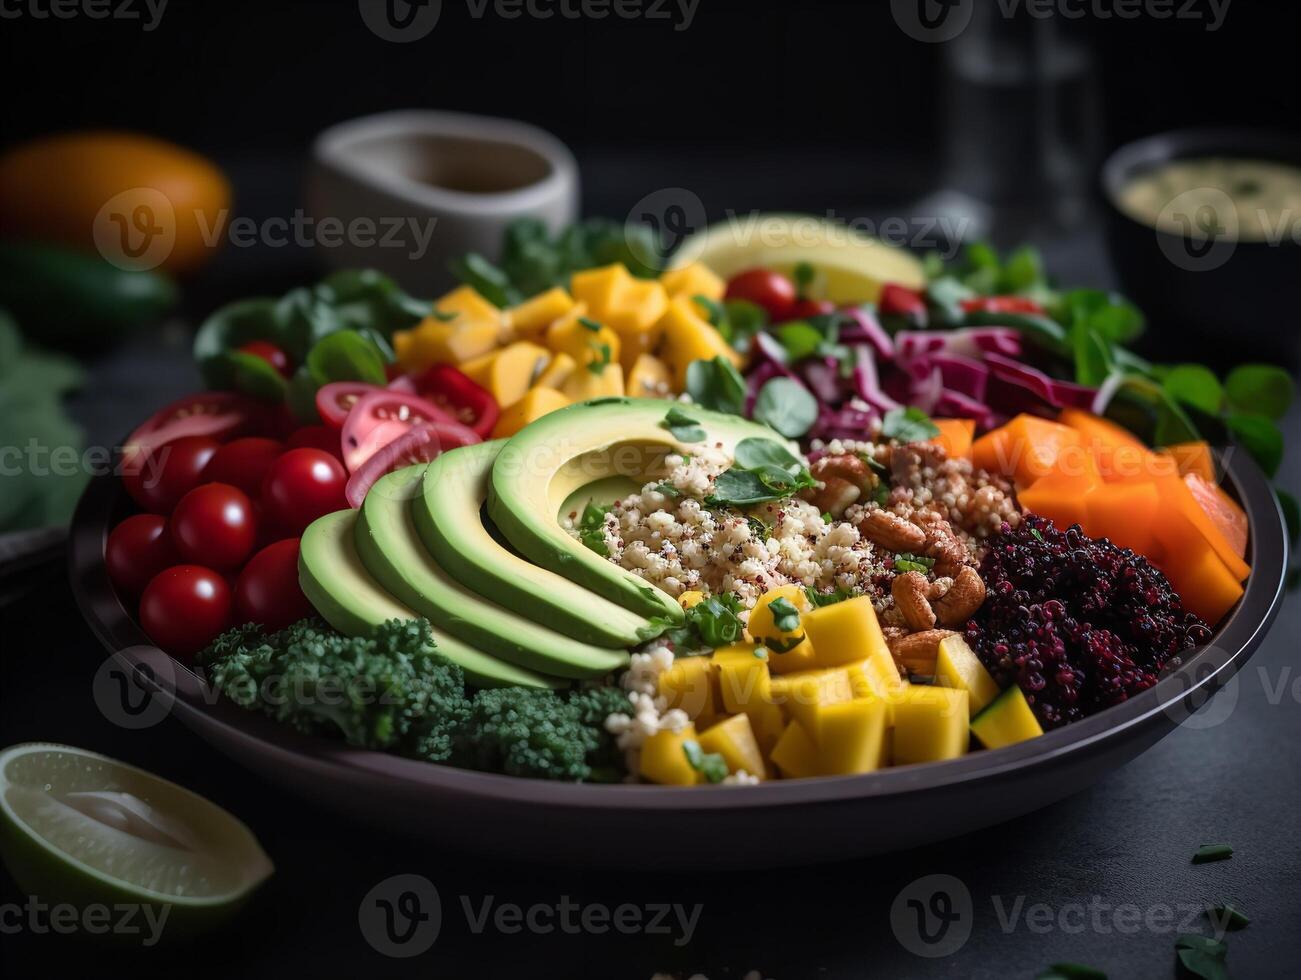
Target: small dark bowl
{"x":1231,"y":300}
{"x":689,"y":827}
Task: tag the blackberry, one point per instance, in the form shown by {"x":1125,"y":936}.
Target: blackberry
{"x":1078,"y":623}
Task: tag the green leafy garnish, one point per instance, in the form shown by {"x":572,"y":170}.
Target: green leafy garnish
{"x":591,"y":529}
{"x":683,"y":426}
{"x":908,"y":425}
{"x":1212,"y":852}
{"x":486,"y":279}
{"x":1261,"y":389}
{"x":753,"y":453}
{"x":820,"y":599}
{"x":598,"y":364}
{"x":764,"y":471}
{"x":784,"y":614}
{"x":346,"y":355}
{"x":715,"y":312}
{"x":787,"y":406}
{"x":588,"y":323}
{"x":443,"y":317}
{"x":716,"y":385}
{"x":804,"y":276}
{"x":711,"y":765}
{"x":1202,"y":956}
{"x":913,"y":563}
{"x":1037,"y":534}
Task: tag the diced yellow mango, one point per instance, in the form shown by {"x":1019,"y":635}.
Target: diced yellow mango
{"x":535,"y":403}
{"x":790,"y":649}
{"x":957,"y":666}
{"x":802,"y":694}
{"x":586,"y":383}
{"x":478,"y":368}
{"x":557,"y":372}
{"x":513,"y":371}
{"x":649,"y":378}
{"x":435,"y":342}
{"x":573,"y":334}
{"x":533,"y":316}
{"x":696,"y":279}
{"x":690,"y":684}
{"x":851,"y":736}
{"x":845,"y":632}
{"x":877,"y":677}
{"x":689,"y":337}
{"x":768,"y":722}
{"x":664,"y":758}
{"x":930,"y":723}
{"x":743,"y":678}
{"x":466,"y":302}
{"x":796,"y":755}
{"x":1006,"y":720}
{"x":735,"y":741}
{"x":600,"y":288}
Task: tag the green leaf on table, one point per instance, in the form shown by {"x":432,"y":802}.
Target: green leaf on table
{"x":1212,"y":852}
{"x":1260,"y":437}
{"x":787,"y":406}
{"x":908,"y":425}
{"x":1203,"y":965}
{"x":1259,"y":389}
{"x":717,"y":385}
{"x":1196,"y":385}
{"x":346,"y":355}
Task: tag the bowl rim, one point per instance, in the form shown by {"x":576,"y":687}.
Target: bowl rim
{"x":1209,"y":669}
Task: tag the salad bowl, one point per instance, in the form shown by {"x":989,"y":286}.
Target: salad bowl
{"x":586,"y":824}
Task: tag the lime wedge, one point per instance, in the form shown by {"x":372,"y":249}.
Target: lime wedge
{"x":81,"y":828}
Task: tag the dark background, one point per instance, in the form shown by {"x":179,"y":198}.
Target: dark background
{"x":818,"y":106}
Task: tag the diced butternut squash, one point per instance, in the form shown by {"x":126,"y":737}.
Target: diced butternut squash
{"x":956,"y":436}
{"x":1005,"y":721}
{"x":1193,"y":457}
{"x":1223,"y":511}
{"x":649,"y":378}
{"x":557,"y":372}
{"x":696,"y":279}
{"x":796,"y":755}
{"x":689,"y":684}
{"x":1025,"y":449}
{"x":735,"y":741}
{"x":583,"y":338}
{"x":783,"y":632}
{"x":535,"y":403}
{"x":851,"y":737}
{"x":844,"y":632}
{"x":689,"y":337}
{"x":958,"y":667}
{"x":513,"y":371}
{"x":533,"y":316}
{"x":1182,"y":519}
{"x":1059,"y":495}
{"x":594,"y":381}
{"x":664,"y":758}
{"x":1117,"y":450}
{"x":1125,"y":513}
{"x":1204,"y":583}
{"x":930,"y":724}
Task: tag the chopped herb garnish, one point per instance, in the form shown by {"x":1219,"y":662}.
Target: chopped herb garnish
{"x":683,"y":426}
{"x":711,"y":765}
{"x":591,"y":529}
{"x":827,"y":518}
{"x":1202,"y":956}
{"x":1037,"y":534}
{"x":1212,"y":852}
{"x":443,"y":317}
{"x":784,"y":615}
{"x":758,"y":529}
{"x":668,"y":489}
{"x":714,"y":310}
{"x":1228,"y":917}
{"x":820,"y":599}
{"x":784,"y":646}
{"x":804,"y":275}
{"x":908,"y":425}
{"x":598,"y":364}
{"x":913,"y":563}
{"x":589,"y":324}
{"x":880,"y":494}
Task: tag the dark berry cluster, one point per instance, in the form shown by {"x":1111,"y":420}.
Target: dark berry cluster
{"x":1078,"y":623}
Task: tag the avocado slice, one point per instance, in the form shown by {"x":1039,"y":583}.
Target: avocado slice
{"x":448,"y":515}
{"x":543,"y":470}
{"x":391,"y":549}
{"x":343,"y":592}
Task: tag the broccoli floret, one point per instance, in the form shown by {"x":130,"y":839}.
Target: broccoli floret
{"x":389,"y":691}
{"x":539,"y":733}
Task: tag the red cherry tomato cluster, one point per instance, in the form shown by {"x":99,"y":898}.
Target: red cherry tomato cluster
{"x":777,"y":295}
{"x":227,"y":485}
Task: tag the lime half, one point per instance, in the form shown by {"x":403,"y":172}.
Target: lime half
{"x":81,"y":828}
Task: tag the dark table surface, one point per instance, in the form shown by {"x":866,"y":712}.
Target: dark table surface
{"x":1103,"y":878}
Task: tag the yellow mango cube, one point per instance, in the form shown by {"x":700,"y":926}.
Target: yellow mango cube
{"x":743,"y":678}
{"x":455,"y":342}
{"x":957,"y":666}
{"x":930,"y":724}
{"x":790,"y":649}
{"x":851,"y":736}
{"x":664,"y":758}
{"x":1006,"y":720}
{"x":557,"y":372}
{"x":768,"y":722}
{"x":690,"y":337}
{"x":845,"y":632}
{"x":477,"y":368}
{"x":535,"y":403}
{"x":877,"y":677}
{"x":467,"y":304}
{"x":690,"y":684}
{"x":649,"y":378}
{"x":533,"y":316}
{"x":513,"y":371}
{"x":583,"y":338}
{"x":735,"y":741}
{"x":693,"y":280}
{"x":600,"y":288}
{"x":802,"y":694}
{"x":636,"y":313}
{"x":587,"y":382}
{"x":796,"y":755}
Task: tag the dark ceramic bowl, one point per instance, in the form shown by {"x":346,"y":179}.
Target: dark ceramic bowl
{"x":601,"y":825}
{"x":1228,"y":299}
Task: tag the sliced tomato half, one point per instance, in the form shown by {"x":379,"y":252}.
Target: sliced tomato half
{"x":219,"y":415}
{"x":380,"y":417}
{"x":453,"y":392}
{"x":418,"y":445}
{"x":335,"y":400}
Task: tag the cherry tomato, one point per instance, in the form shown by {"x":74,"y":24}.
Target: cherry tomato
{"x":458,"y":396}
{"x":380,"y":417}
{"x":270,"y":353}
{"x":316,"y":437}
{"x":157,"y":478}
{"x":805,"y":308}
{"x":335,"y":400}
{"x":243,"y":463}
{"x":769,"y":289}
{"x":137,"y":550}
{"x":301,"y":486}
{"x":214,"y":524}
{"x":901,"y":301}
{"x":185,"y":607}
{"x":219,"y":415}
{"x":417,"y":445}
{"x":267,"y":591}
{"x":1001,"y":304}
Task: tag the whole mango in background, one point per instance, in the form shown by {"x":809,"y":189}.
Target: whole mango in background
{"x":140,"y":202}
